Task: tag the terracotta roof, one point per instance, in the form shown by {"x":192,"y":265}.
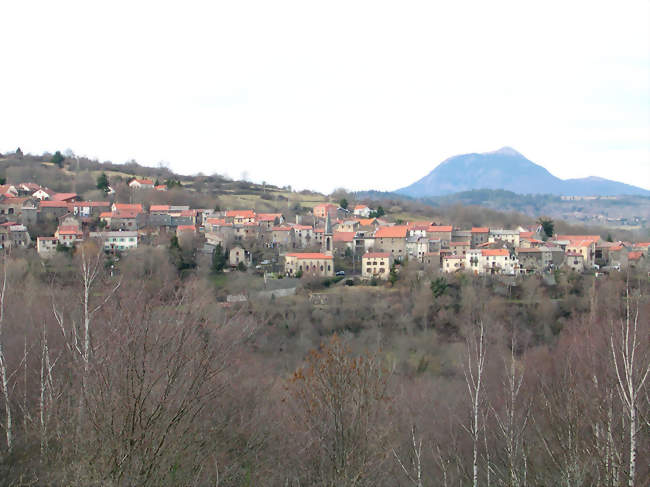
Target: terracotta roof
{"x":217,"y":221}
{"x":581,"y":243}
{"x":315,"y":255}
{"x":615,"y":248}
{"x":125,"y":214}
{"x":366,"y":222}
{"x":326,"y":205}
{"x":69,"y":230}
{"x":463,"y":244}
{"x":53,"y":204}
{"x":161,"y":187}
{"x":495,"y":252}
{"x":344,"y":236}
{"x":397,"y":231}
{"x":439,"y":228}
{"x":106,"y":214}
{"x":376,"y":255}
{"x":268,"y":217}
{"x":159,"y":208}
{"x":188,"y":212}
{"x":636,"y":255}
{"x":642,"y":244}
{"x":480,"y":230}
{"x":186,"y":228}
{"x":302,"y":227}
{"x":49,"y":239}
{"x":63,"y":196}
{"x":129,"y":206}
{"x":281,"y":229}
{"x":143,"y":181}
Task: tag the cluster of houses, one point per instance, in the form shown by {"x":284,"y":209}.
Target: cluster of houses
{"x":308,"y":246}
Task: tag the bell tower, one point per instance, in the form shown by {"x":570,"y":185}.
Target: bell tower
{"x":328,"y":236}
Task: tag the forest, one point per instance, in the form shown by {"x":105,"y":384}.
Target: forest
{"x":126,"y":372}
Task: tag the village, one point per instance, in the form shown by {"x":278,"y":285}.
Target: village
{"x":362,"y":242}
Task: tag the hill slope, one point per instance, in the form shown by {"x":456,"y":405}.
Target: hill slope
{"x":507,"y":169}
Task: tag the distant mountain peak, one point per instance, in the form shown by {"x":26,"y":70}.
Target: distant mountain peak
{"x":506,"y":151}
{"x":509,"y":170}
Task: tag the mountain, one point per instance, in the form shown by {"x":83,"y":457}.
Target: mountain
{"x":507,"y":169}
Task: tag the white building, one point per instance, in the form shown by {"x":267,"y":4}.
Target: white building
{"x":117,"y":241}
{"x":362,"y":211}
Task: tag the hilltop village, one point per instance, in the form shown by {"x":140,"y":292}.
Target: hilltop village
{"x":331,"y":240}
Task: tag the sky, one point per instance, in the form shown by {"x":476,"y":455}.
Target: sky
{"x":321,"y":95}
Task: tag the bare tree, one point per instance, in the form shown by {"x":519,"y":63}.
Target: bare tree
{"x":631,"y":373}
{"x":4,"y":378}
{"x":476,"y":352}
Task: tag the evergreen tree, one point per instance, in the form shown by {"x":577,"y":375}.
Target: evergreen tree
{"x":218,"y":259}
{"x":58,"y":159}
{"x":102,"y":182}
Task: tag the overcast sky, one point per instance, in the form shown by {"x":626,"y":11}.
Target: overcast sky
{"x":360,"y":94}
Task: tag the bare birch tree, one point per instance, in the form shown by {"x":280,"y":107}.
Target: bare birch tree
{"x":476,"y":353}
{"x":632,"y":367}
{"x":4,"y":378}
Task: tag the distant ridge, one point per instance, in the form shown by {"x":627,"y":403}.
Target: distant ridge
{"x":507,"y":169}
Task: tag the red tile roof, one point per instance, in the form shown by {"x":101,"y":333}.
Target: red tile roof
{"x":636,"y":255}
{"x":439,"y":228}
{"x":159,"y":208}
{"x":69,"y":230}
{"x":366,"y":222}
{"x":456,"y":244}
{"x":481,"y":230}
{"x":572,"y":238}
{"x":315,"y":255}
{"x":495,"y":252}
{"x":396,"y":231}
{"x":269,"y":217}
{"x":186,"y":228}
{"x":143,"y":181}
{"x":217,"y":221}
{"x":344,"y":236}
{"x":281,"y":229}
{"x":53,"y":204}
{"x":128,"y":206}
{"x":63,"y":196}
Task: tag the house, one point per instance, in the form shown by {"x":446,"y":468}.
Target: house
{"x":392,"y":239}
{"x":240,"y":216}
{"x":8,"y":191}
{"x":440,"y":232}
{"x":376,"y":265}
{"x":574,"y":261}
{"x":309,"y":264}
{"x":141,"y":184}
{"x":585,"y":247}
{"x":362,"y":211}
{"x":453,"y":263}
{"x":539,"y":259}
{"x":324,"y":209}
{"x":14,"y":235}
{"x":492,"y":261}
{"x":479,"y":235}
{"x":50,"y":210}
{"x":68,"y":235}
{"x":89,"y":208}
{"x":636,"y":258}
{"x":343,"y":241}
{"x":237,"y":255}
{"x":11,"y":207}
{"x":67,"y":197}
{"x":502,"y":235}
{"x":304,"y":236}
{"x":459,"y":248}
{"x":270,"y":220}
{"x":123,"y":219}
{"x":246,"y":231}
{"x":117,"y":241}
{"x":46,"y":246}
{"x":431,"y":260}
{"x":348,"y":226}
{"x":161,"y":187}
{"x":282,"y":237}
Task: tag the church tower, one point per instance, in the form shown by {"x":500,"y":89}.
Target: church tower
{"x":328,"y":236}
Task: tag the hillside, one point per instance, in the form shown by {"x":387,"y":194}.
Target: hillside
{"x":508,"y":170}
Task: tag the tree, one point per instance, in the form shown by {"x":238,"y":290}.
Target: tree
{"x":378,"y":213}
{"x":58,"y":159}
{"x":218,"y":259}
{"x":632,"y":368}
{"x":339,"y":400}
{"x":102,"y":182}
{"x":609,"y":237}
{"x":343,"y":203}
{"x":19,"y":153}
{"x":393,"y":276}
{"x":548,"y":227}
{"x":438,"y":287}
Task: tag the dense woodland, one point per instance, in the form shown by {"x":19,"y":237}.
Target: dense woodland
{"x":133,"y":371}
